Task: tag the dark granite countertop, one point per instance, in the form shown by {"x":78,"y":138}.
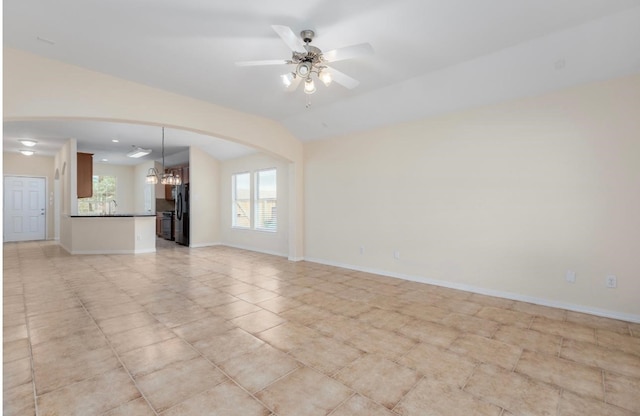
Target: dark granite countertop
{"x":113,"y":215}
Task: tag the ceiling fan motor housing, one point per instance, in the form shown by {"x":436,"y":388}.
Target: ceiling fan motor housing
{"x":307,"y":35}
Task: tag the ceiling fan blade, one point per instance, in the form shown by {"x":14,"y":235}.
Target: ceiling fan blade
{"x":266,"y":62}
{"x":348,"y":52}
{"x":343,"y":79}
{"x":293,"y":42}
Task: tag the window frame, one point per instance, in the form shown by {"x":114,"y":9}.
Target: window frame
{"x":253,"y":210}
{"x":234,"y":202}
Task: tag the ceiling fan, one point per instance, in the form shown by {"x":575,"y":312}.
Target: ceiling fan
{"x":309,"y":60}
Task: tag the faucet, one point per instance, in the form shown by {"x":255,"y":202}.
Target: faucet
{"x":115,"y":205}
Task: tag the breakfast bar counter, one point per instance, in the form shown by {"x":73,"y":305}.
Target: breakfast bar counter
{"x":108,"y":234}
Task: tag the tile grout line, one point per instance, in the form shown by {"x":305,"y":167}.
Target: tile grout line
{"x":475,"y":368}
{"x":604,"y":386}
{"x":227,"y":375}
{"x":332,"y":376}
{"x":333,"y":411}
{"x":559,"y":354}
{"x":393,"y":409}
{"x":303,"y":365}
{"x":112,"y":350}
{"x":171,"y":329}
{"x":562,"y":390}
{"x":515,"y":365}
{"x":495,"y":331}
{"x":32,"y":361}
{"x":533,"y":317}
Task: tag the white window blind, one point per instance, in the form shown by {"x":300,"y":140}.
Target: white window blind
{"x":266,"y":200}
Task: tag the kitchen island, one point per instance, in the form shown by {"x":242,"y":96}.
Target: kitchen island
{"x":108,"y":234}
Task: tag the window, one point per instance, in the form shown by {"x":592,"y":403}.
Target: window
{"x":266,"y":218}
{"x":104,"y":192}
{"x":241,"y":210}
{"x":254,"y":207}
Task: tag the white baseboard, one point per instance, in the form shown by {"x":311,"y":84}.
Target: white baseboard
{"x":257,"y":250}
{"x":85,"y":252}
{"x":242,"y":247}
{"x":628,"y":317}
{"x":200,"y":245}
{"x":149,"y":250}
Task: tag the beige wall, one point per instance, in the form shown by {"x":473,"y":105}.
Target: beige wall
{"x":144,"y":195}
{"x":36,"y":87}
{"x":503,"y":199}
{"x":266,"y":242}
{"x":35,"y":166}
{"x":204,"y":204}
{"x":66,"y":164}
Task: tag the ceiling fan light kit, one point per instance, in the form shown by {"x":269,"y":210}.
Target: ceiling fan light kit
{"x":309,"y":86}
{"x":309,"y":60}
{"x":325,"y":77}
{"x":303,"y":69}
{"x":287,"y":79}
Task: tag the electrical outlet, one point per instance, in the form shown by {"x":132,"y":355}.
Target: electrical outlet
{"x":396,"y":255}
{"x":612,"y":281}
{"x":570,"y":276}
{"x":361,"y":249}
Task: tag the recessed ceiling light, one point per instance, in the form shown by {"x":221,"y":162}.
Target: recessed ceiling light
{"x":28,"y":142}
{"x":115,"y":140}
{"x":27,"y":152}
{"x":104,"y":160}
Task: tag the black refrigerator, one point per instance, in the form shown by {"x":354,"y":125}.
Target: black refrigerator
{"x":182,"y":214}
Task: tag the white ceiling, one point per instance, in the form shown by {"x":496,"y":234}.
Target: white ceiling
{"x":431,"y":56}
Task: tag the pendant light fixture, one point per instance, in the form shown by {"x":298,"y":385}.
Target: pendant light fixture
{"x":167,"y":178}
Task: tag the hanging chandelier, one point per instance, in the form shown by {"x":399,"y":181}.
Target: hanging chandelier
{"x":167,"y":178}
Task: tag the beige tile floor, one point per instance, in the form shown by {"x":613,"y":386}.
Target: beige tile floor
{"x":221,"y":331}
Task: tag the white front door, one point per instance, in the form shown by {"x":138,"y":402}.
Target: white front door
{"x":24,"y":208}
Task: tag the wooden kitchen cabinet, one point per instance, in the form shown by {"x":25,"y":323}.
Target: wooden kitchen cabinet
{"x":169,"y":195}
{"x":85,"y":175}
